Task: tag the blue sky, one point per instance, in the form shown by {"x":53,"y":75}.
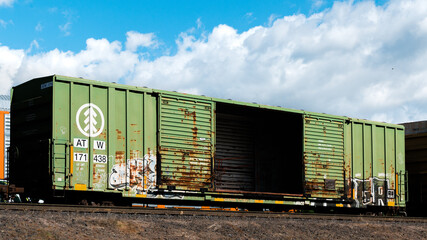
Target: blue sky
{"x":362,"y":59}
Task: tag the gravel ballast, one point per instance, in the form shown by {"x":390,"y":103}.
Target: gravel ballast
{"x":71,"y":225}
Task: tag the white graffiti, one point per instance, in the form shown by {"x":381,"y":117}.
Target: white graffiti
{"x":139,"y":174}
{"x":376,"y":189}
{"x":150,"y":163}
{"x":118,"y":174}
{"x":174,"y":196}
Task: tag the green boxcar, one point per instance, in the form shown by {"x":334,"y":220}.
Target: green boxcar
{"x":83,"y":136}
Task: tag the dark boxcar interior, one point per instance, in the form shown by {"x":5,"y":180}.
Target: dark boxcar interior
{"x":416,"y":165}
{"x":258,"y":150}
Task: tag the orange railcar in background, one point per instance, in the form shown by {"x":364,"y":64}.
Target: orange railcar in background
{"x":3,"y":150}
{"x":4,"y":136}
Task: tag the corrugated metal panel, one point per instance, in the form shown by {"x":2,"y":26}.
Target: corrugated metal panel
{"x":113,"y":135}
{"x":324,"y":157}
{"x":362,"y":164}
{"x":6,"y":144}
{"x":377,"y":153}
{"x":415,"y":127}
{"x":401,"y":174}
{"x":185,"y":143}
{"x":390,"y":166}
{"x":84,"y":136}
{"x":378,"y":160}
{"x":416,"y":154}
{"x":234,"y":156}
{"x":5,"y":135}
{"x":4,"y":102}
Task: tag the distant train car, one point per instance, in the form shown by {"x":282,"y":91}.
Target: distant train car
{"x":416,"y":164}
{"x":4,"y":136}
{"x":73,"y":138}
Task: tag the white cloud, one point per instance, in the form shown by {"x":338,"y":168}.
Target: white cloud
{"x":71,"y":17}
{"x":355,"y":59}
{"x":53,"y":10}
{"x":272,"y":18}
{"x":4,"y":24}
{"x":136,"y":39}
{"x":39,"y":27}
{"x":250,"y":17}
{"x":65,"y":28}
{"x":317,"y":4}
{"x":10,"y":62}
{"x":199,"y":23}
{"x":34,"y":45}
{"x":338,"y":61}
{"x":101,"y":60}
{"x":7,"y":3}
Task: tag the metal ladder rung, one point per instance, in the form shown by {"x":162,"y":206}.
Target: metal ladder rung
{"x":60,"y":156}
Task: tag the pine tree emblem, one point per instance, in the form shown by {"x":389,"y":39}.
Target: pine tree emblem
{"x":91,"y":115}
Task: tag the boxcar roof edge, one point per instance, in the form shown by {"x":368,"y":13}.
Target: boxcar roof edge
{"x":219,"y":100}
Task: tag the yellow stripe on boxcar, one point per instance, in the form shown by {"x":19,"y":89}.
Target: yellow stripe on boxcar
{"x":80,"y":187}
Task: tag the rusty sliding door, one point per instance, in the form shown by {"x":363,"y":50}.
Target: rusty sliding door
{"x":185,"y":143}
{"x":324,"y":156}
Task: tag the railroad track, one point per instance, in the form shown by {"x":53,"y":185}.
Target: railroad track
{"x":197,"y":212}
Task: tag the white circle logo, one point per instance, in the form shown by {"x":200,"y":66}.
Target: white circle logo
{"x":91,"y":113}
